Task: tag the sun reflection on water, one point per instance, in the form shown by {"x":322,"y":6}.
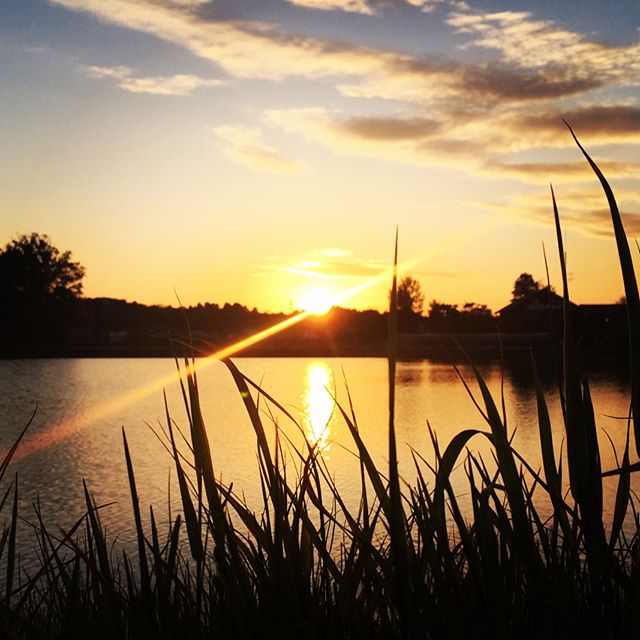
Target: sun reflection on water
{"x":319,"y":407}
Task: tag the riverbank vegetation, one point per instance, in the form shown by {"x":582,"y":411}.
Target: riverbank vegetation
{"x":525,"y":553}
{"x":48,"y":317}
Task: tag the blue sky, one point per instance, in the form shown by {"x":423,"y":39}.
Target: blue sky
{"x":252,"y":151}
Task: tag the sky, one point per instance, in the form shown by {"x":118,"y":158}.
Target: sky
{"x":263,"y":151}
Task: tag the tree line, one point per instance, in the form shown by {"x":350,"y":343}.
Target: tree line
{"x":41,"y":289}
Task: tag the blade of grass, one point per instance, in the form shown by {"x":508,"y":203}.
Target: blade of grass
{"x":191,"y":519}
{"x":142,"y":555}
{"x":397,"y":530}
{"x":630,"y":290}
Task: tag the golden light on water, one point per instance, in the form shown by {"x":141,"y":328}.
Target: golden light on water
{"x":56,"y":431}
{"x":319,"y":407}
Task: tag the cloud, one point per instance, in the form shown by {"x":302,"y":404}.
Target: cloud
{"x":249,"y":49}
{"x":328,"y":264}
{"x":345,"y":136}
{"x":583,"y":211}
{"x":334,"y":252}
{"x":599,"y":122}
{"x":556,"y":172}
{"x":117,"y":73}
{"x":355,"y":6}
{"x":538,"y":44}
{"x":443,"y":112}
{"x":479,"y":144}
{"x":417,"y":141}
{"x":371,"y":7}
{"x":177,"y":85}
{"x":244,"y":49}
{"x":482,"y":87}
{"x":377,"y":128}
{"x":243,"y":145}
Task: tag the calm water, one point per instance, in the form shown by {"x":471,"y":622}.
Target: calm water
{"x":83,"y":403}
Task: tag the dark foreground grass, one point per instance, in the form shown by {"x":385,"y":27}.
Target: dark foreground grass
{"x":407,"y":563}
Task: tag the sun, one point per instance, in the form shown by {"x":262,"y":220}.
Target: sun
{"x":316,"y":301}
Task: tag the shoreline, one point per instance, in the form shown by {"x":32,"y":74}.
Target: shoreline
{"x":456,"y":347}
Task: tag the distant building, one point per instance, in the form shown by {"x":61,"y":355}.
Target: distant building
{"x":595,"y":325}
{"x":539,"y":311}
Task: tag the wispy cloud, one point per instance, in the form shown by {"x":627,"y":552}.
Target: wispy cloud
{"x":176,"y":85}
{"x":334,"y":252}
{"x":244,"y":49}
{"x":116,"y":73}
{"x":543,"y":172}
{"x":417,"y":141}
{"x":451,"y":111}
{"x":477,"y":143}
{"x":327,"y":264}
{"x":376,"y":128}
{"x":607,"y":123}
{"x":244,"y":145}
{"x":365,"y":137}
{"x":355,"y":6}
{"x":248,"y":49}
{"x":584,"y":211}
{"x":371,"y":7}
{"x":538,"y":44}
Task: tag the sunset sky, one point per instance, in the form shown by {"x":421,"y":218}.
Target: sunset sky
{"x":255,"y":150}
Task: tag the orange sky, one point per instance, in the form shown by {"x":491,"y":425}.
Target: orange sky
{"x":254,"y":152}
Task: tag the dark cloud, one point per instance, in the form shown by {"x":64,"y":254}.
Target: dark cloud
{"x":498,"y":81}
{"x":550,"y":171}
{"x":611,"y":120}
{"x":455,"y":148}
{"x":596,"y":222}
{"x":377,"y":128}
{"x":503,"y":83}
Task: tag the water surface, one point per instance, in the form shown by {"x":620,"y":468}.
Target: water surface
{"x":82,"y":405}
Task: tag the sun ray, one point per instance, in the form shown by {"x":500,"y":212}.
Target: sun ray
{"x":62,"y":429}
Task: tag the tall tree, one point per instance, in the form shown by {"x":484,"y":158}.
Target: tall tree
{"x":410,"y":296}
{"x":38,"y":284}
{"x":524,"y":287}
{"x":33,"y":270}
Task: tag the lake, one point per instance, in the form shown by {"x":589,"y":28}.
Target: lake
{"x":83,"y":403}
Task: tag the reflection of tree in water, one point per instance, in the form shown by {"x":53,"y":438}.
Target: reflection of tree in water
{"x":519,"y":370}
{"x":409,"y":374}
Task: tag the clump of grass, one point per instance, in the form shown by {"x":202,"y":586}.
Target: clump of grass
{"x":406,"y":563}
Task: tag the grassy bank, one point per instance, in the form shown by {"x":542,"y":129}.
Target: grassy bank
{"x":406,"y":563}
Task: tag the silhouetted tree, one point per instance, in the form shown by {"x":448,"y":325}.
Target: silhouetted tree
{"x":32,"y":269}
{"x":524,"y":287}
{"x":440,"y":311}
{"x":410,"y":296}
{"x":471,"y":317}
{"x":38,"y":284}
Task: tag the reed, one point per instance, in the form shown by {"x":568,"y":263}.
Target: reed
{"x":407,"y":563}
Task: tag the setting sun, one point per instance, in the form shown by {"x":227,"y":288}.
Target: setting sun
{"x":317,"y":301}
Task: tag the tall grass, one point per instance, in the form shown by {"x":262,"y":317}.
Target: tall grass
{"x":406,"y":563}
